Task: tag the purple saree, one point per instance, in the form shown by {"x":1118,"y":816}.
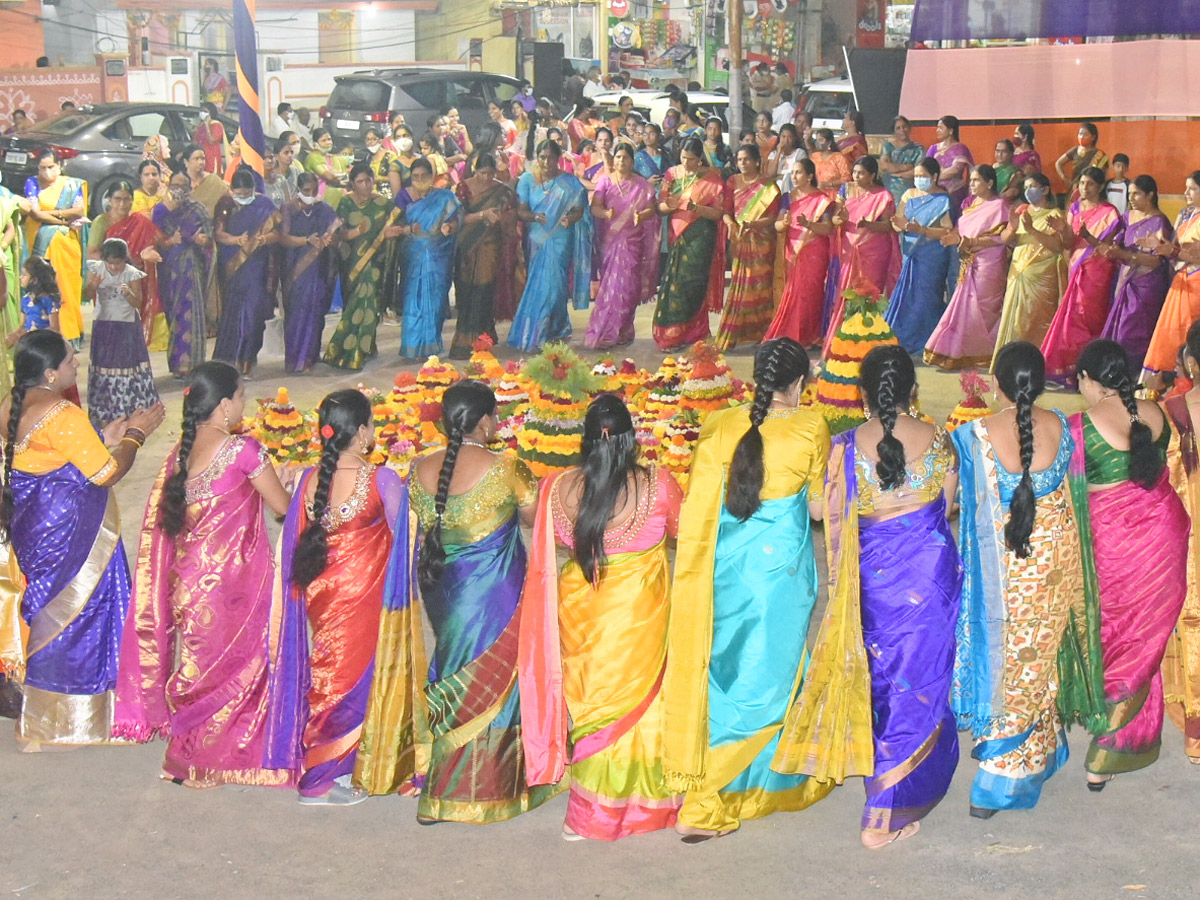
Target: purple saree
{"x":246,"y":300}
{"x":184,"y":278}
{"x":309,"y":274}
{"x":1140,"y":292}
{"x":627,"y":255}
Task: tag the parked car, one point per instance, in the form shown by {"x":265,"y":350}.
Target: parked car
{"x":653,"y":105}
{"x":101,"y":144}
{"x":374,"y":96}
{"x":827,"y":102}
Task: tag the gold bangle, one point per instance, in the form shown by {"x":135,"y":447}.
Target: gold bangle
{"x":136,"y":443}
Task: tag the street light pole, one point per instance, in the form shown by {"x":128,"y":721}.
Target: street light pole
{"x":735,"y":10}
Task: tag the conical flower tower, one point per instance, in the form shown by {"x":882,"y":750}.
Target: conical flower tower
{"x":863,"y":328}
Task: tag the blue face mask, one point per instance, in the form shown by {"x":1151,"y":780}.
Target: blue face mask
{"x":1035,"y":195}
{"x":922,"y":182}
{"x":243,"y":201}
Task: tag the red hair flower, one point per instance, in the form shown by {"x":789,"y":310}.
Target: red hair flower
{"x":327,"y":432}
{"x":187,"y":390}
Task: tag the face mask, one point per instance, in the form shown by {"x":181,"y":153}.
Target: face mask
{"x":244,"y":201}
{"x":204,"y":115}
{"x":347,"y":157}
{"x":307,"y":200}
{"x":178,"y":193}
{"x":372,"y":148}
{"x":1035,"y":195}
{"x":405,"y":144}
{"x":922,"y":182}
{"x":528,"y":92}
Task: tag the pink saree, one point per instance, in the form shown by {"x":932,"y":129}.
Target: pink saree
{"x":869,"y":259}
{"x":204,"y":598}
{"x":807,"y":257}
{"x":966,"y":334}
{"x":1084,"y":307}
{"x":628,"y":261}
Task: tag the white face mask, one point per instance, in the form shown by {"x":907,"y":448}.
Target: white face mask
{"x":307,"y":200}
{"x":405,"y":144}
{"x":372,"y":148}
{"x":243,"y":201}
{"x":204,"y":115}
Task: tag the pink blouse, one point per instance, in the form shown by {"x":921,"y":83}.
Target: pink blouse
{"x":656,"y":517}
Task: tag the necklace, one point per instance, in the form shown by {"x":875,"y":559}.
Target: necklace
{"x":214,"y":428}
{"x":474,"y":443}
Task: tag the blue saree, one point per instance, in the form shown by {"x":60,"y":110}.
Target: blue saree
{"x":558,"y":261}
{"x":246,"y":301}
{"x":426,"y":267}
{"x":918,"y":300}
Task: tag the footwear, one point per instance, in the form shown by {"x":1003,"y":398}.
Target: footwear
{"x":905,"y":832}
{"x":1097,"y":786}
{"x":979,"y":812}
{"x":338,"y":795}
{"x":701,"y":838}
{"x":571,"y":835}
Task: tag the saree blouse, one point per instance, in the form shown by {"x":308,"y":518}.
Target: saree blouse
{"x":1104,"y":463}
{"x":1045,"y":481}
{"x":507,"y":486}
{"x":924,"y":478}
{"x":795,"y":449}
{"x":655,"y":517}
{"x":64,"y":434}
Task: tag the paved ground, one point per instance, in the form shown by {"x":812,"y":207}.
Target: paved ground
{"x":98,"y":824}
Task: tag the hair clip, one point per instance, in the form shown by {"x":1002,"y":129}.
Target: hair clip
{"x":327,"y":432}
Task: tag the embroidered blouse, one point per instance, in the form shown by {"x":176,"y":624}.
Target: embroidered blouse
{"x":474,"y":514}
{"x":923,"y":481}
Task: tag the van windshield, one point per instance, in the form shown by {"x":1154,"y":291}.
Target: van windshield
{"x":360,"y":95}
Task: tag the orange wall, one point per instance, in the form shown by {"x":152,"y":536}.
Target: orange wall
{"x":23,"y":39}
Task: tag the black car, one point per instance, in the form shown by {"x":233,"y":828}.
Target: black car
{"x":101,"y":144}
{"x":374,"y":96}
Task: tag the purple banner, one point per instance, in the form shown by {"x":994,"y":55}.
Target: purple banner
{"x":962,"y":20}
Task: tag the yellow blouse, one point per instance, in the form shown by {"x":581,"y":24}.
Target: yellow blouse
{"x":64,"y":435}
{"x":924,"y":478}
{"x":143,"y":202}
{"x":473,"y":515}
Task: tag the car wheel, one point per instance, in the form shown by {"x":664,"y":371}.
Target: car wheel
{"x":97,"y":194}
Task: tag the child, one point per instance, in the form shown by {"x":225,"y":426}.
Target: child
{"x":428,"y":146}
{"x":1116,"y":191}
{"x":40,"y":299}
{"x":120,"y":380}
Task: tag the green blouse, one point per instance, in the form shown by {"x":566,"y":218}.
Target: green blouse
{"x":1105,"y":463}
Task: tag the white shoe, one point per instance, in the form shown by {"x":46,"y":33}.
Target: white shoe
{"x":338,"y":795}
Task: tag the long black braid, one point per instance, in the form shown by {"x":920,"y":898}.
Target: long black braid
{"x":1106,"y":363}
{"x":1021,"y":371}
{"x":887,"y":379}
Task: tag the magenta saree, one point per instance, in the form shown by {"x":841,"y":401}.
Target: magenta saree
{"x":1139,"y":292}
{"x":1084,"y":307}
{"x":807,"y":257}
{"x":966,"y":334}
{"x":870,"y":260}
{"x":194,"y":653}
{"x":627,"y":254}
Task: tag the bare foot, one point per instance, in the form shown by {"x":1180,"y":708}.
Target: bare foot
{"x":876,"y":840}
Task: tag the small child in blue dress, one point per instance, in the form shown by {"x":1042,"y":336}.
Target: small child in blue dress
{"x":40,"y":299}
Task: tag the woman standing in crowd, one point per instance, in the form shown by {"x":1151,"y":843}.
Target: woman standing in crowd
{"x":507,"y":126}
{"x":779,"y":164}
{"x":582,"y":126}
{"x":1131,"y":506}
{"x":1181,"y":666}
{"x":898,"y":160}
{"x":805,"y":223}
{"x":120,"y":380}
{"x":852,"y":144}
{"x":832,"y":169}
{"x":1182,"y":306}
{"x":210,"y":136}
{"x":746,"y":574}
{"x":58,"y":512}
{"x":321,"y":162}
{"x":185,"y":271}
{"x":194,"y":666}
{"x":956,"y":161}
{"x":309,"y":228}
{"x":1018,"y":523}
{"x":347,"y":526}
{"x":558,"y":251}
{"x":888,"y":495}
{"x":401,"y":165}
{"x":1025,"y":156}
{"x":764,"y":137}
{"x":594,"y":633}
{"x":1037,"y":274}
{"x":57,"y":201}
{"x":485,"y":267}
{"x":153,"y":189}
{"x":752,"y":205}
{"x":365,"y":217}
{"x":923,"y":219}
{"x":432,"y":217}
{"x":206,"y":188}
{"x":651,"y":162}
{"x":692,"y":197}
{"x":471,"y":504}
{"x":598,"y":162}
{"x":1142,"y":277}
{"x":1086,"y":155}
{"x":966,"y":335}
{"x":1084,"y":306}
{"x":716,"y":151}
{"x":626,"y":252}
{"x":568,"y":162}
{"x":380,"y":159}
{"x":247,"y":227}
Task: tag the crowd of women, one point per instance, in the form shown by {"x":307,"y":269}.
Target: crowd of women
{"x":658,"y":695}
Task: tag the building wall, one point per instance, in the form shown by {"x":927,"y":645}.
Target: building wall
{"x":24,"y":39}
{"x":444,"y":35}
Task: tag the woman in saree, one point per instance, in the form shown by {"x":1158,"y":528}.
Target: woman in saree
{"x":765,"y":137}
{"x":59,"y":514}
{"x":10,"y":271}
{"x":321,"y":162}
{"x":1182,"y":305}
{"x":56,"y":201}
{"x":216,"y":88}
{"x":716,"y":151}
{"x":745,"y":586}
{"x":401,"y":163}
{"x":965,"y":337}
{"x":833,"y":170}
{"x":582,"y":126}
{"x":596,"y":164}
{"x":593,"y":641}
{"x":692,"y":198}
{"x":471,"y":504}
{"x":380,"y":159}
{"x":806,"y":224}
{"x":889,"y":490}
{"x":431,"y":220}
{"x":626,"y":252}
{"x":185,"y":272}
{"x":868,"y":250}
{"x":1142,"y":277}
{"x":366,"y":218}
{"x":922,"y":219}
{"x":308,"y":229}
{"x":247,"y":227}
{"x":1025,"y":155}
{"x":345,"y":563}
{"x":152,"y":189}
{"x":1037,"y":274}
{"x":558,"y":251}
{"x":194,"y":656}
{"x":956,"y":161}
{"x":210,"y":136}
{"x":485,"y":266}
{"x":206,"y":188}
{"x":1028,"y":602}
{"x":1073,"y":164}
{"x":752,"y":205}
{"x":1132,"y":506}
{"x":898,"y":160}
{"x":1084,"y":307}
{"x":1181,"y":665}
{"x":651,"y":161}
{"x":852,"y":144}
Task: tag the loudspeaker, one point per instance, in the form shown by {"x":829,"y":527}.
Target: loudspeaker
{"x":548,"y":70}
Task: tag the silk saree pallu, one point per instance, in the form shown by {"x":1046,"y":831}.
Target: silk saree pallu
{"x":60,"y":246}
{"x":1182,"y":305}
{"x":806,"y":263}
{"x":426,"y":267}
{"x":246,"y":301}
{"x":361,"y":267}
{"x":309,"y":274}
{"x":1037,"y":278}
{"x":750,"y":304}
{"x":1139,"y":292}
{"x":185,"y":277}
{"x":918,"y":301}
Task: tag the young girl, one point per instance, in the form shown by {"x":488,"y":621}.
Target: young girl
{"x":441,"y":169}
{"x":40,"y":299}
{"x":120,"y":380}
